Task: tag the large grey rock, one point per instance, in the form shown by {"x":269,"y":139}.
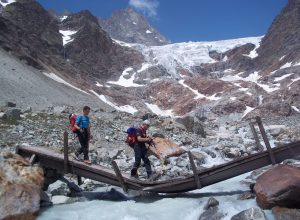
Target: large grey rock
{"x":212,"y":202}
{"x":250,"y":214}
{"x":232,"y":152}
{"x":211,"y":214}
{"x":11,"y":104}
{"x":59,"y":188}
{"x":13,"y":114}
{"x":59,"y":109}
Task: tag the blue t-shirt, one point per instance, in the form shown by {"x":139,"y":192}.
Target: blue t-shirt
{"x":83,"y":121}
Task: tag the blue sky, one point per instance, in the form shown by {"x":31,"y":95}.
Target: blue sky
{"x":189,"y":20}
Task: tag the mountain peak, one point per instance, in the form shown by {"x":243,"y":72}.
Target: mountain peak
{"x":130,"y":26}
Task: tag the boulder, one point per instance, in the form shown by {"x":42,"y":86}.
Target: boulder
{"x":211,"y":211}
{"x":281,"y":213}
{"x":3,"y":115}
{"x":280,"y":186}
{"x":20,"y":187}
{"x":232,"y":152}
{"x":250,"y":214}
{"x":212,"y":202}
{"x":211,"y":214}
{"x":199,"y":157}
{"x":246,"y":195}
{"x":11,"y":104}
{"x":59,"y":109}
{"x":165,"y":148}
{"x":59,"y":188}
{"x":13,"y":114}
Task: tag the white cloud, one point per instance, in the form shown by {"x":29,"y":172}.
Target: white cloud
{"x":149,"y":7}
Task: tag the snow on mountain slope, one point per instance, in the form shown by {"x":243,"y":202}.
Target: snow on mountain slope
{"x":7,"y":2}
{"x":190,"y":54}
{"x":67,"y":36}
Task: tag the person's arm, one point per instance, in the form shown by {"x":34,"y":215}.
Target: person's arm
{"x":140,"y":139}
{"x":89,"y":132}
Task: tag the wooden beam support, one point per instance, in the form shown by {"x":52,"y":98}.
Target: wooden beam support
{"x":119,"y":176}
{"x":257,"y":142}
{"x":194,"y":168}
{"x":79,"y":180}
{"x":32,"y":159}
{"x":66,"y":153}
{"x":266,"y":140}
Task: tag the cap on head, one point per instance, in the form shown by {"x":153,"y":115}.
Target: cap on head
{"x":146,"y":122}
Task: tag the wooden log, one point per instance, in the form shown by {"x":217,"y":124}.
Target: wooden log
{"x":32,"y":159}
{"x":66,"y":153}
{"x":194,"y":168}
{"x":266,"y":140}
{"x":119,"y":176}
{"x":257,"y":142}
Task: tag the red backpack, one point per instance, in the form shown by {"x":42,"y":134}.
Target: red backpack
{"x":72,"y":120}
{"x":131,"y":136}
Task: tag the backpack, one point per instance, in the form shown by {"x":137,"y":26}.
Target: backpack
{"x":72,"y":121}
{"x":131,"y":136}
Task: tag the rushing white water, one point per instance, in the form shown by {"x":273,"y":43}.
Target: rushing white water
{"x":189,"y":208}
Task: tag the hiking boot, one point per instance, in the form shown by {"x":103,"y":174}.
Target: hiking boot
{"x":149,"y":175}
{"x":87,"y":162}
{"x":135,"y":176}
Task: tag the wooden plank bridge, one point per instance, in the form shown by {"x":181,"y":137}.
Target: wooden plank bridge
{"x":200,"y":178}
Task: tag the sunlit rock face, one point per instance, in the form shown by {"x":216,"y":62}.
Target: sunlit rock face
{"x":20,"y":187}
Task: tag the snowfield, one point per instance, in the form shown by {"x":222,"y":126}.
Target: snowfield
{"x":191,"y":54}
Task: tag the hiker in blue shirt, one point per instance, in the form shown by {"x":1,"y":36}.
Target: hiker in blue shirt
{"x":83,"y":132}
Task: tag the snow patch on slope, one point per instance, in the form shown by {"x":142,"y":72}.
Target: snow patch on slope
{"x":126,"y":82}
{"x":67,"y":36}
{"x":60,"y":80}
{"x":156,"y":110}
{"x":63,"y":18}
{"x":277,"y":79}
{"x":124,"y":108}
{"x":287,"y":65}
{"x":296,"y":109}
{"x":254,"y":77}
{"x":248,"y":110}
{"x":199,"y":95}
{"x":7,"y":3}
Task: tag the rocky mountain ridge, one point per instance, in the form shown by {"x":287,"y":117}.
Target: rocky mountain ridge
{"x":129,"y":26}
